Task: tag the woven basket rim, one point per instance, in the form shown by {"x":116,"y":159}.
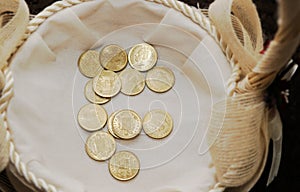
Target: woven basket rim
{"x":196,"y":15}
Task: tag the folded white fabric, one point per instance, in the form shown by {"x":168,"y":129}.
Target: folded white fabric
{"x":49,"y":92}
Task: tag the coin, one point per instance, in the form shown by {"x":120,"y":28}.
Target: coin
{"x":92,"y":96}
{"x":124,"y":166}
{"x":157,"y":124}
{"x":92,"y":117}
{"x":142,"y":57}
{"x":107,"y":84}
{"x":110,"y":126}
{"x":127,"y":124}
{"x":160,"y":79}
{"x":88,"y":63}
{"x":133,"y":82}
{"x":113,"y":57}
{"x":100,"y":146}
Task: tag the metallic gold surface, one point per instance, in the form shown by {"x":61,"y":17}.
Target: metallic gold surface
{"x":133,"y":82}
{"x":113,"y":57}
{"x":142,"y":57}
{"x":107,"y":84}
{"x":91,"y":96}
{"x":88,"y":63}
{"x":110,"y":124}
{"x":92,"y":117}
{"x":157,"y":124}
{"x":160,"y":79}
{"x":100,"y":146}
{"x":124,"y":166}
{"x":127,"y":124}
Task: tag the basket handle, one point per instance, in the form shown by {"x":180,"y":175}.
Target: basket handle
{"x":281,"y":49}
{"x":257,"y":72}
{"x":14,"y":19}
{"x":12,"y":31}
{"x":244,"y":38}
{"x":241,"y":36}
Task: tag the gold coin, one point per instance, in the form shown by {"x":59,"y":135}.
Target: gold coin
{"x":110,"y":126}
{"x":100,"y":146}
{"x":127,"y":124}
{"x":124,"y":166}
{"x":92,"y":96}
{"x":160,"y":79}
{"x":113,"y":57}
{"x":133,"y":82}
{"x":88,"y":63}
{"x":142,"y":57}
{"x":107,"y":84}
{"x":157,"y":124}
{"x":92,"y":117}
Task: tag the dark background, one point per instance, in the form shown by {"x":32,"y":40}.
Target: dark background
{"x":288,"y":178}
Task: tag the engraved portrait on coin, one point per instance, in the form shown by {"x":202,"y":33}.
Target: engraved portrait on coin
{"x":100,"y":146}
{"x":124,"y":166}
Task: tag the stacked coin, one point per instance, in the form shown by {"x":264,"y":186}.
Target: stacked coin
{"x":124,"y":166}
{"x":126,"y":124}
{"x":100,"y":146}
{"x":110,"y":74}
{"x":158,"y":124}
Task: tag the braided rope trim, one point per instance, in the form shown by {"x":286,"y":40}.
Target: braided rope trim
{"x":194,"y":14}
{"x":33,"y":25}
{"x":7,"y":93}
{"x":199,"y":17}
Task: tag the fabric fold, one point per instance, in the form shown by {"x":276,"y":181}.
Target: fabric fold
{"x":11,"y":35}
{"x":112,"y":16}
{"x":68,"y":31}
{"x":178,"y":33}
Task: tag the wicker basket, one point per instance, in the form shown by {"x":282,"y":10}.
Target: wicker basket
{"x":240,"y":125}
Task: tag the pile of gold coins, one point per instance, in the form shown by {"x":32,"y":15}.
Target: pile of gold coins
{"x":110,"y":74}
